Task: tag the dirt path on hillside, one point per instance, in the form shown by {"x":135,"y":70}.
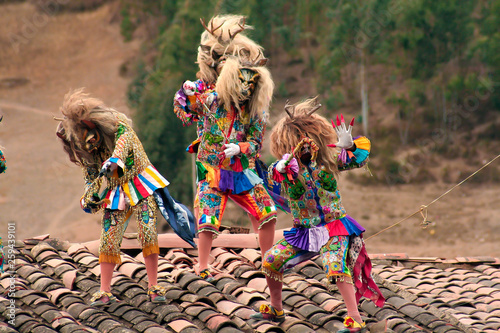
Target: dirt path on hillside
{"x":41,"y":189}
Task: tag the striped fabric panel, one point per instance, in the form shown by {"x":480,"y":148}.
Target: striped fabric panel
{"x":136,"y":189}
{"x":153,"y":174}
{"x":117,"y":161}
{"x":139,"y":187}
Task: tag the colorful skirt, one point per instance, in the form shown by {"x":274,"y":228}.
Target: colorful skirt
{"x":313,"y":239}
{"x":136,"y":189}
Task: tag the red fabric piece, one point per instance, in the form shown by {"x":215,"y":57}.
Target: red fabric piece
{"x":278,"y":176}
{"x":236,"y":165}
{"x":363,"y":281}
{"x":336,"y":228}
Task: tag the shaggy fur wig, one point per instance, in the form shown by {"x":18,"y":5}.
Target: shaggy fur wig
{"x":78,"y":107}
{"x":290,"y":130}
{"x":219,"y":43}
{"x":228,"y":87}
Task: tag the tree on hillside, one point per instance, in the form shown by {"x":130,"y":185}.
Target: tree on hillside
{"x":358,"y":30}
{"x":152,"y":92}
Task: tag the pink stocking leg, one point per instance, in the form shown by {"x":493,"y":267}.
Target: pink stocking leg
{"x":275,"y":289}
{"x":204,"y":247}
{"x":349,"y":296}
{"x":106,"y":275}
{"x":266,"y":236}
{"x":151,"y":263}
{"x":266,"y":233}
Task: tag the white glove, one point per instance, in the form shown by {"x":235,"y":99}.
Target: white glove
{"x":343,"y":134}
{"x":231,"y":149}
{"x":210,"y":99}
{"x":280,"y":166}
{"x":189,"y":88}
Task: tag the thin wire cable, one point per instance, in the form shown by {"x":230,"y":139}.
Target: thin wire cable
{"x":424,"y":207}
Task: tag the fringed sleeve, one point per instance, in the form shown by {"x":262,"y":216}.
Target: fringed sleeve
{"x":92,"y":185}
{"x":357,"y":158}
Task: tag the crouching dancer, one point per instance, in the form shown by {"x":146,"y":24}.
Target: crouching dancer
{"x":306,"y":171}
{"x":102,"y":141}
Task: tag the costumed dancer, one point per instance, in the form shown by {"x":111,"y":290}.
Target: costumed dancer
{"x":101,"y":140}
{"x":223,"y":37}
{"x":307,"y":173}
{"x":231,"y":121}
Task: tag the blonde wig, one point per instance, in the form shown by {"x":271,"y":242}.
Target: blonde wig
{"x":81,"y":113}
{"x":223,"y":36}
{"x":300,"y":122}
{"x":228,"y":87}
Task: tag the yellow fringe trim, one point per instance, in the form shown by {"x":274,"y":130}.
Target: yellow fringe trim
{"x":110,"y":258}
{"x":150,"y":249}
{"x":340,"y":277}
{"x":272,"y":274}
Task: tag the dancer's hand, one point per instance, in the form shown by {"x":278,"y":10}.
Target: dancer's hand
{"x":280,"y":166}
{"x":231,"y":149}
{"x":210,"y":99}
{"x":107,"y":168}
{"x":343,"y":134}
{"x":189,"y":88}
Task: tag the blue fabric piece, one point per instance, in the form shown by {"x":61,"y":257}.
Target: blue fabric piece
{"x":352,"y":226}
{"x":177,"y":215}
{"x":360,"y":155}
{"x":241,"y":183}
{"x":252,"y":177}
{"x":116,"y":200}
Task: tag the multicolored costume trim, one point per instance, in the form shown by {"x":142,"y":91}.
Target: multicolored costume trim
{"x":135,"y":189}
{"x":212,"y":204}
{"x":3,"y":163}
{"x":227,"y":180}
{"x":355,"y":159}
{"x":313,"y":239}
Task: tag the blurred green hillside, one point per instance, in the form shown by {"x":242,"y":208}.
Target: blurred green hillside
{"x":422,"y":77}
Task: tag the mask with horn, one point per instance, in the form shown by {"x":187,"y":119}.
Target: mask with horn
{"x":88,"y":126}
{"x":224,"y":36}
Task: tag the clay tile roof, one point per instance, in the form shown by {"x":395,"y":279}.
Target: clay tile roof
{"x":55,"y":280}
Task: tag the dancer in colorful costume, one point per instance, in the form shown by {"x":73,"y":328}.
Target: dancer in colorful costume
{"x":101,"y":140}
{"x":321,"y":225}
{"x":229,"y":106}
{"x":231,"y":123}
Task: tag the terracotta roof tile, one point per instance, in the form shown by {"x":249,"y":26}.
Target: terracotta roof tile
{"x":57,"y":278}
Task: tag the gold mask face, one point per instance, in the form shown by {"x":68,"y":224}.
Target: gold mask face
{"x":248,"y":79}
{"x":92,"y":139}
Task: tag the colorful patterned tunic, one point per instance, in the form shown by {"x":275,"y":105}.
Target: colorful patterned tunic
{"x":129,"y":190}
{"x":321,"y":226}
{"x":219,"y":176}
{"x":134,"y":179}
